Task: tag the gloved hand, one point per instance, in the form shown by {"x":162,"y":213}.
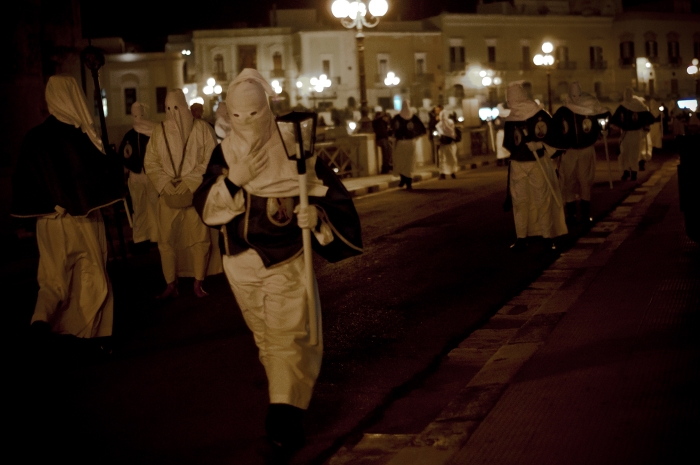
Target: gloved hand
{"x":169,"y":189}
{"x":534,"y":146}
{"x":306,"y":217}
{"x":247,"y":168}
{"x":182,"y":188}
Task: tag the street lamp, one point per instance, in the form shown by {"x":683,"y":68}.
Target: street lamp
{"x":353,"y":15}
{"x":693,"y":71}
{"x":298,"y":132}
{"x":546,"y":61}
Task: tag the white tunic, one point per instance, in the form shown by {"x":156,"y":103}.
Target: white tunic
{"x":144,"y":198}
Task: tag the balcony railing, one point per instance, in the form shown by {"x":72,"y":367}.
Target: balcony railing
{"x":626,"y":62}
{"x":423,"y":78}
{"x":277,"y":73}
{"x":599,"y":65}
{"x":341,"y":155}
{"x":565,"y":65}
{"x":497,"y":65}
{"x":221,"y":77}
{"x":457,"y":66}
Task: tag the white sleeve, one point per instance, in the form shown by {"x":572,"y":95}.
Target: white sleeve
{"x":220,"y":208}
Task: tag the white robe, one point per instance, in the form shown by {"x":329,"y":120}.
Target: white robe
{"x":75,"y":294}
{"x":448,"y":158}
{"x":577,"y":173}
{"x":187,"y":246}
{"x":631,"y":149}
{"x":144,"y":199}
{"x":537,"y":204}
{"x":405,"y":156}
{"x":501,"y":152}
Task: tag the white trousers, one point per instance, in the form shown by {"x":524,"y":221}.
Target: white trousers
{"x":537,"y":207}
{"x":448,"y":159}
{"x":274,"y":305}
{"x":577,"y":173}
{"x":75,"y":294}
{"x":144,"y":198}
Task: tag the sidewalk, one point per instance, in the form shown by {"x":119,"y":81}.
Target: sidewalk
{"x":596,"y":362}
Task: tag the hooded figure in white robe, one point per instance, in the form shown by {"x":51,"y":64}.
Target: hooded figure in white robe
{"x":176,"y":158}
{"x":501,"y":152}
{"x":222,"y":126}
{"x":654,"y":136}
{"x":633,"y":118}
{"x":577,"y":165}
{"x":534,"y":188}
{"x":63,"y":178}
{"x":251,"y":190}
{"x":447,"y":150}
{"x":144,"y":197}
{"x":407,"y":128}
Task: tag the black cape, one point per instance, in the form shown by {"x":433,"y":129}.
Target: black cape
{"x":59,"y":165}
{"x":274,"y":239}
{"x":407,"y":129}
{"x":629,"y":120}
{"x":574,"y":131}
{"x":133,"y":150}
{"x":516,"y":135}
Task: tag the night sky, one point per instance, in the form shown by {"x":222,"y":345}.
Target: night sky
{"x":148,"y":22}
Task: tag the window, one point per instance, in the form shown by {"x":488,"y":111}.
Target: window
{"x":696,"y":46}
{"x":277,"y":61}
{"x":219,"y":72}
{"x":326,"y":66}
{"x":420,"y":64}
{"x":247,"y":57}
{"x":491,"y":51}
{"x":382,"y":66}
{"x":674,"y":56}
{"x":598,"y":89}
{"x":674,"y":87}
{"x":457,"y":62}
{"x":129,"y":98}
{"x":561,"y":54}
{"x":527,"y":58}
{"x":651,"y":47}
{"x":596,"y":57}
{"x":161,"y":92}
{"x":528,"y":89}
{"x":627,"y":57}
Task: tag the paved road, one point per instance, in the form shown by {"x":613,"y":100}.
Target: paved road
{"x":184,"y":385}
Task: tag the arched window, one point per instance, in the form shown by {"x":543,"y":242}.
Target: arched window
{"x":219,"y":71}
{"x":674,"y":54}
{"x":651,"y":47}
{"x":627,"y":56}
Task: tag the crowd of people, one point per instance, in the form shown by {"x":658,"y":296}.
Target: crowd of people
{"x":226,"y":198}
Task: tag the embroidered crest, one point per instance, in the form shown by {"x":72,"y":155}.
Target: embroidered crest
{"x":128,"y":150}
{"x":635,"y":116}
{"x":587,"y":125}
{"x":409,"y":126}
{"x":280,"y":211}
{"x":540,"y":129}
{"x":564,"y":127}
{"x":517,"y":137}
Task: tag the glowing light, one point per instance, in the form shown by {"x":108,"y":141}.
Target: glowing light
{"x":695,"y":62}
{"x":661,"y":108}
{"x":435,"y":133}
{"x":378,"y":8}
{"x":208,"y":90}
{"x":186,"y":52}
{"x":299,"y":84}
{"x":689,"y":104}
{"x":486,"y":81}
{"x":647,"y":64}
{"x":275,"y":83}
{"x":692,"y":69}
{"x":211,"y":82}
{"x":391,"y":79}
{"x":185,"y":90}
{"x":484,"y":113}
{"x":494,"y":113}
{"x":547,"y":47}
{"x":460,"y":119}
{"x":497,"y":80}
{"x":482,"y":73}
{"x":352,"y":125}
{"x":538,"y":59}
{"x":340,"y":8}
{"x":199,"y":100}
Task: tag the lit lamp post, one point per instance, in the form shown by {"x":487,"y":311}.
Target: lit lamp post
{"x":693,"y":71}
{"x":211,"y":89}
{"x":354,"y":15}
{"x":604,"y":129}
{"x":298,"y":132}
{"x":488,"y":115}
{"x":546,"y":61}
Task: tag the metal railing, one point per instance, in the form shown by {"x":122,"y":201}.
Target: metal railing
{"x":600,"y":64}
{"x":565,"y":65}
{"x":341,"y":155}
{"x":277,"y":73}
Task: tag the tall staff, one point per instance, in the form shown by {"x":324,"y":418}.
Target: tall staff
{"x":603,"y":122}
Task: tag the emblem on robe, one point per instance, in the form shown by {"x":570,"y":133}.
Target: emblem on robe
{"x":541,"y":129}
{"x":635,"y":116}
{"x":410,"y":125}
{"x":564,"y":127}
{"x":280,"y":211}
{"x":587,"y":125}
{"x":128,"y":150}
{"x":517,"y":137}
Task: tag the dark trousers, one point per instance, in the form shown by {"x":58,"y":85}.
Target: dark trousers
{"x":387,"y":160}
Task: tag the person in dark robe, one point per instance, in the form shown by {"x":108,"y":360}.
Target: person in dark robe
{"x":407,"y":128}
{"x":63,"y":178}
{"x":382,"y":132}
{"x":251,"y":191}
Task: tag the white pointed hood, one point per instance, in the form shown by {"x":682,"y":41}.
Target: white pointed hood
{"x":521,"y":107}
{"x":142,"y":125}
{"x":583,"y":103}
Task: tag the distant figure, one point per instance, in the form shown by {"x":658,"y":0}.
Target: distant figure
{"x":502,"y":154}
{"x":381,"y":125}
{"x":144,"y":197}
{"x":633,"y":118}
{"x":407,"y":128}
{"x":63,"y":178}
{"x":448,"y":145}
{"x":655,"y":135}
{"x":197,"y":110}
{"x":222,"y":126}
{"x":176,"y":158}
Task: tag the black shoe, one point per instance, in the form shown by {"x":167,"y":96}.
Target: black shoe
{"x":585,"y":207}
{"x":625,"y":175}
{"x":453,"y":176}
{"x":634,"y":176}
{"x":519,"y":244}
{"x":402,"y":182}
{"x":570,"y":212}
{"x":442,"y":176}
{"x":284,"y":427}
{"x":549,"y":244}
{"x":641,"y":165}
{"x":409,"y":184}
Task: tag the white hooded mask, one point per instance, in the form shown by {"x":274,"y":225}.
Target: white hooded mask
{"x":253,"y":129}
{"x":405,"y":112}
{"x":445,"y":125}
{"x":583,"y":103}
{"x":67,"y":104}
{"x":178,"y":121}
{"x":521,"y":107}
{"x":141,"y":124}
{"x":632,"y":102}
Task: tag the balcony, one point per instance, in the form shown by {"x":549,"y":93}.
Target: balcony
{"x":277,"y":73}
{"x":423,"y":78}
{"x":221,"y":77}
{"x":497,"y":65}
{"x":526,"y":65}
{"x":457,"y":66}
{"x":570,"y":65}
{"x":599,"y":65}
{"x":627,"y":62}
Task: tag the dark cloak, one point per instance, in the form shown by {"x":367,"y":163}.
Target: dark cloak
{"x":59,"y":165}
{"x":133,"y":150}
{"x":276,"y":243}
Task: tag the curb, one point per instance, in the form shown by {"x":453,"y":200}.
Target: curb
{"x":510,"y":338}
